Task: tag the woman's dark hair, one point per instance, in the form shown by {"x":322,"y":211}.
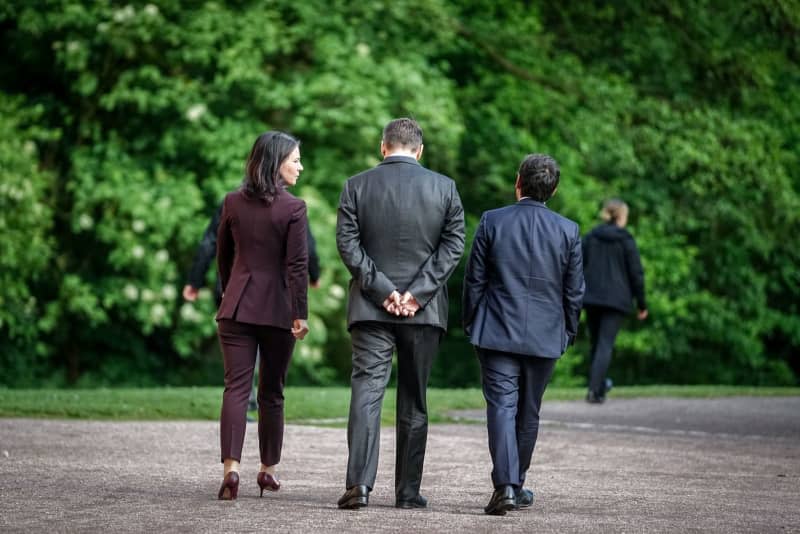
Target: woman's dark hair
{"x":262,"y":177}
{"x":538,"y":176}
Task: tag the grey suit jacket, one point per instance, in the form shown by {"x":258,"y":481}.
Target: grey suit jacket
{"x":400,"y":227}
{"x":523,"y":285}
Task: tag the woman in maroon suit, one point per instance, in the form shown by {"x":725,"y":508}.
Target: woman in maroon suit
{"x":262,"y":260}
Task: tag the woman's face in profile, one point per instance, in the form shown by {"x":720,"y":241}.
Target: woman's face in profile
{"x":291,"y":167}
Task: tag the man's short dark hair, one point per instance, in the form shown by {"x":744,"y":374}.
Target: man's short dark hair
{"x":538,"y":177}
{"x":402,"y":133}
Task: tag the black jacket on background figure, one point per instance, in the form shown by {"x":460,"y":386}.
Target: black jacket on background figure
{"x":612,"y":269}
{"x":207,"y":251}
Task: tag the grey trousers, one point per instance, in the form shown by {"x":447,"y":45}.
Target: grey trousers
{"x":373,"y":345}
{"x":513,"y":385}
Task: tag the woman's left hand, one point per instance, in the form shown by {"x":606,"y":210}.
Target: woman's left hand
{"x":299,"y":328}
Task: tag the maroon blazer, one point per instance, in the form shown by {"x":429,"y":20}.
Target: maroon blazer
{"x":262,"y":259}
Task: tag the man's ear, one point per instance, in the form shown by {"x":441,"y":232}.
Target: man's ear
{"x":383,"y":149}
{"x":517,"y":185}
{"x":419,"y":152}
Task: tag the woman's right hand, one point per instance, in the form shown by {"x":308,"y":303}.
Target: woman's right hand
{"x":299,"y":328}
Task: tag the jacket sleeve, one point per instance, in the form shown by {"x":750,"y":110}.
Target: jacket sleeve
{"x":206,"y":251}
{"x":633,"y":264}
{"x":297,"y":261}
{"x":313,"y":258}
{"x":573,"y":287}
{"x":475,"y":277}
{"x":225,"y":247}
{"x":374,"y":284}
{"x":435,"y":271}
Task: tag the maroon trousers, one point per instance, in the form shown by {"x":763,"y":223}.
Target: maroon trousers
{"x":240,"y":343}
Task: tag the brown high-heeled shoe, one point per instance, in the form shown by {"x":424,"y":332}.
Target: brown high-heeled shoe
{"x":267,"y":482}
{"x":230,"y":487}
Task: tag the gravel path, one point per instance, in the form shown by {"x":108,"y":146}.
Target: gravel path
{"x":627,"y":466}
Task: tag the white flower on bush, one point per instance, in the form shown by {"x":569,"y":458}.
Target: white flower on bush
{"x":29,"y":148}
{"x":85,"y":221}
{"x":158,"y":312}
{"x":130,"y":292}
{"x":147,"y":295}
{"x":151,"y":9}
{"x":362,"y":49}
{"x":127,"y":12}
{"x":137,"y":251}
{"x":169,"y":292}
{"x":138,"y":226}
{"x":162,"y":256}
{"x":163,"y":203}
{"x":336,"y":291}
{"x":190,"y":314}
{"x":195,"y":112}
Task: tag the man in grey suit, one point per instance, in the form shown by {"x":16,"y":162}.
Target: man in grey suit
{"x":523,"y":289}
{"x":400,"y":232}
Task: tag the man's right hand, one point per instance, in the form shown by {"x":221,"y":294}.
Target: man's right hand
{"x":392,"y":303}
{"x":642,"y":315}
{"x":409,"y":305}
{"x":190,"y":293}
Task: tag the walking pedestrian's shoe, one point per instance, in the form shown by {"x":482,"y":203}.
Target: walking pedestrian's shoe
{"x":524,"y":499}
{"x":503,"y":499}
{"x":354,"y":498}
{"x":230,"y":487}
{"x":594,"y":398}
{"x":417,"y":502}
{"x":267,"y":482}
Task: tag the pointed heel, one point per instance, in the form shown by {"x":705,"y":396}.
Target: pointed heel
{"x":230,"y":487}
{"x":267,"y":482}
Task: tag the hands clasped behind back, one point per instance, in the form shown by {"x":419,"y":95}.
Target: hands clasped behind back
{"x":401,"y":305}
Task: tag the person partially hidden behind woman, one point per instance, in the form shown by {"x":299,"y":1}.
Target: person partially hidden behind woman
{"x":262,"y":260}
{"x":614,"y":276}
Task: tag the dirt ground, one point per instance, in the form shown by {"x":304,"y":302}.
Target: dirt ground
{"x":650,"y":465}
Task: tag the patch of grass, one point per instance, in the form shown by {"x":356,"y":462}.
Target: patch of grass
{"x":328,"y":406}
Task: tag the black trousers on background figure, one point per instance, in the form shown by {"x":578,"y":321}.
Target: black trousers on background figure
{"x":373,"y":346}
{"x":604,"y":324}
{"x":513,"y":385}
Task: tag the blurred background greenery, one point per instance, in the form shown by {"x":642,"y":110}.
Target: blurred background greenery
{"x":122,"y":125}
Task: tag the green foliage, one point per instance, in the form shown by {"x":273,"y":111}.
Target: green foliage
{"x":123,"y":125}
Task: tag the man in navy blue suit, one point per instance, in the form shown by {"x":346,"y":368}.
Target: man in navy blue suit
{"x":523,"y":290}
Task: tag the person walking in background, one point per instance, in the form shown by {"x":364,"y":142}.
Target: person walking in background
{"x":523,"y":287}
{"x":262,"y":260}
{"x":614,"y":276}
{"x":207,"y":251}
{"x":400,"y":232}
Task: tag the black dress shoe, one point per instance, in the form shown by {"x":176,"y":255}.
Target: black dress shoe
{"x":503,"y":500}
{"x":524,"y":498}
{"x":354,"y":498}
{"x":417,"y":502}
{"x":594,"y":398}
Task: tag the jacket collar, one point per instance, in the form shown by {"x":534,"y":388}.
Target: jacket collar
{"x":531,"y":202}
{"x":398,"y":159}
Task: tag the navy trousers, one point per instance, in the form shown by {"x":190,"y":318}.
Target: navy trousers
{"x":513,"y":385}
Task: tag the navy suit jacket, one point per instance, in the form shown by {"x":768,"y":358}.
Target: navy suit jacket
{"x":523,"y":285}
